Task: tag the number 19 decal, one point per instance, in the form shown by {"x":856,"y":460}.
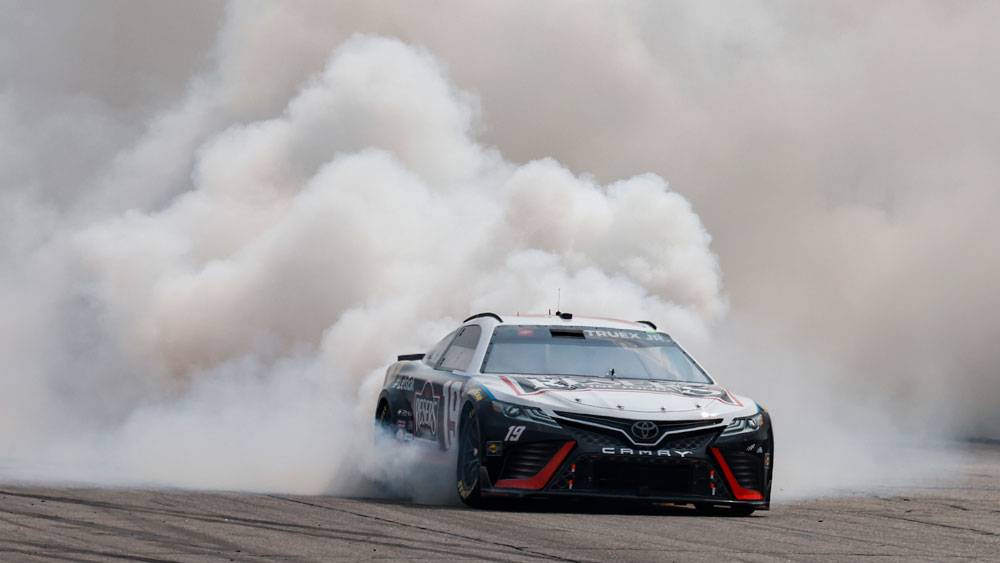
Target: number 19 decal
{"x":514,"y":433}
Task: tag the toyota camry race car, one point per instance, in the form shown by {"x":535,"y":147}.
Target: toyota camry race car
{"x":557,"y":406}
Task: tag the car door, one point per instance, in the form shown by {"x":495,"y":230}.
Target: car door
{"x":427,"y":387}
{"x":453,"y":366}
{"x":437,"y":400}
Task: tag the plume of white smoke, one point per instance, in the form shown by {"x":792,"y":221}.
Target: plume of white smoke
{"x":235,"y":337}
{"x":842,"y":156}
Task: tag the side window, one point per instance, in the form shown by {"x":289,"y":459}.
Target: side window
{"x":435,"y":354}
{"x":459,"y":354}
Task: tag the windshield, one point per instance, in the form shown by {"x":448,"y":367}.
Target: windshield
{"x":591,"y":352}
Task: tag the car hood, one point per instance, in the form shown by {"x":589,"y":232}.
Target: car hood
{"x":620,"y":395}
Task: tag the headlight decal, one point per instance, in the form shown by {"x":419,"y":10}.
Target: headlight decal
{"x":745,"y":424}
{"x":524,"y":412}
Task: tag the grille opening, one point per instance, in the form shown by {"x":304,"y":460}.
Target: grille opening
{"x":626,"y":423}
{"x":634,"y":476}
{"x":642,"y":479}
{"x":591,"y":436}
{"x":525,"y":461}
{"x":690,"y":440}
{"x":746,"y":468}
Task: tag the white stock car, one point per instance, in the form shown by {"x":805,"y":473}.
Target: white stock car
{"x":564,"y":406}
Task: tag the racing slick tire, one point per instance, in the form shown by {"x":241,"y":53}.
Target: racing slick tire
{"x":383,"y":421}
{"x":382,"y":436}
{"x":470,"y":459}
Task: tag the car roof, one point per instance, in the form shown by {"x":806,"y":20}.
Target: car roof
{"x":561,"y":320}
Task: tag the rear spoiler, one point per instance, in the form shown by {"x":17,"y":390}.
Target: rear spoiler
{"x":410,"y":357}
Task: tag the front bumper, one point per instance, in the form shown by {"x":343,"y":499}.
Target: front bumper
{"x":694,"y":467}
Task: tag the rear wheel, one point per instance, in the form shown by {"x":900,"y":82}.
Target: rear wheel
{"x":384,"y":426}
{"x":469,"y":459}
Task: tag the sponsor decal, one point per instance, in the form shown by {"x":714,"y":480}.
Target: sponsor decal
{"x":525,"y":332}
{"x":403,"y":414}
{"x":494,"y":449}
{"x":626,"y":335}
{"x":536,"y":384}
{"x":403,"y":383}
{"x":514,"y":433}
{"x":436,"y":416}
{"x":425,"y":411}
{"x":650,"y":453}
{"x":477,"y":395}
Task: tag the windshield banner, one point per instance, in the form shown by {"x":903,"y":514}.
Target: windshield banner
{"x":536,"y":384}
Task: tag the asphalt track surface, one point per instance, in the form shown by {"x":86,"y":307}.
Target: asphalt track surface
{"x":954,"y":522}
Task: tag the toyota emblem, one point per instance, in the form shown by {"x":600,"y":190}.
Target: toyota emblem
{"x":645,"y":429}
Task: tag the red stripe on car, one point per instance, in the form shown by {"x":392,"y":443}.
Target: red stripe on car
{"x":738,"y":491}
{"x":542,"y":477}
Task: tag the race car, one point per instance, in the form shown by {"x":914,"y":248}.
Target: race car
{"x":567,"y":406}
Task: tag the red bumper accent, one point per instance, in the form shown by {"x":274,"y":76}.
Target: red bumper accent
{"x":542,"y":477}
{"x":738,"y":491}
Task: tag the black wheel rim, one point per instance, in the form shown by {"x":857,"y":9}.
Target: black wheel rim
{"x":468,"y":464}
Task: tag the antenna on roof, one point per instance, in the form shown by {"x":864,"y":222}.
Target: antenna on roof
{"x":558,"y":299}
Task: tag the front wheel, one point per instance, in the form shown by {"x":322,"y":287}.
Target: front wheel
{"x":469,"y":459}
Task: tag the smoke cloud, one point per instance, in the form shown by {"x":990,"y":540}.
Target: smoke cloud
{"x":220,"y":222}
